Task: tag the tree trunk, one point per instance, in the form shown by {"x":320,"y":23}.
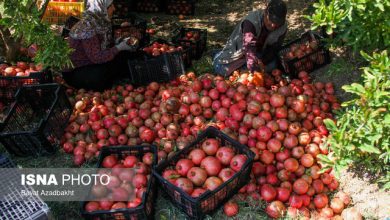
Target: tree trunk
{"x":42,"y":8}
{"x":11,"y":46}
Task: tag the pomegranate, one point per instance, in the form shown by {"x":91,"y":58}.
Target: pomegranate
{"x":300,"y":186}
{"x":291,"y":164}
{"x":268,"y":193}
{"x":275,"y":209}
{"x":277,"y":100}
{"x":197,"y":155}
{"x":230,"y":209}
{"x":237,"y":162}
{"x":183,"y":166}
{"x":226,"y":174}
{"x":212,"y":165}
{"x":109,"y":161}
{"x":197,"y":176}
{"x":225,"y":155}
{"x":185,"y":185}
{"x":283,"y":194}
{"x":320,"y":201}
{"x":210,"y":146}
{"x":212,"y":183}
{"x":171,"y":175}
{"x":197,"y":192}
{"x":92,"y":206}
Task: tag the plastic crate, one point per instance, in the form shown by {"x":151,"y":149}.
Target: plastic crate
{"x":197,"y":208}
{"x":36,"y":120}
{"x":136,"y":28}
{"x":163,"y":68}
{"x":143,"y":211}
{"x":180,"y":7}
{"x":197,"y":46}
{"x":309,"y":62}
{"x":10,"y":84}
{"x":15,"y":207}
{"x":58,"y":12}
{"x":186,"y":51}
{"x":149,"y":5}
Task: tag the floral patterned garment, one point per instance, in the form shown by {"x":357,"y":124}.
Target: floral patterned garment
{"x":91,"y":37}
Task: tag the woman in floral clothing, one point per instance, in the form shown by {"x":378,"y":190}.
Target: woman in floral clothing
{"x":95,"y":58}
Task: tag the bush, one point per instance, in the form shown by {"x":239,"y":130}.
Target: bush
{"x":361,"y":136}
{"x":363,"y":24}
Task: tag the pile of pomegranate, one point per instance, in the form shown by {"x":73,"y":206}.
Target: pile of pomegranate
{"x":128,"y":182}
{"x":205,"y":168}
{"x":156,"y":49}
{"x":281,"y":123}
{"x":21,"y":69}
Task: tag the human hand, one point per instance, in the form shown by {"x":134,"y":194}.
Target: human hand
{"x":118,"y":40}
{"x":129,"y":44}
{"x":260,"y":66}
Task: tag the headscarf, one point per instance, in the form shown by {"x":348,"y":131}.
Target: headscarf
{"x":95,"y":21}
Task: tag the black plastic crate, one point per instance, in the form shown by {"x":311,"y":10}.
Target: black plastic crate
{"x":36,"y":120}
{"x":136,"y":27}
{"x":197,"y":208}
{"x":197,"y":46}
{"x":185,"y":51}
{"x":12,"y":205}
{"x":309,"y":62}
{"x":180,"y":7}
{"x":143,"y":211}
{"x":163,"y":68}
{"x":9,"y":85}
{"x":149,"y":6}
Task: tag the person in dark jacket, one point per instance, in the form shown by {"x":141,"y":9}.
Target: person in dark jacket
{"x":255,"y":41}
{"x":97,"y":61}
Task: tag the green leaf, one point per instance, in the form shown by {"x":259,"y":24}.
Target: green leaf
{"x":369,"y":149}
{"x":330,"y":124}
{"x":323,"y":158}
{"x":386,"y":120}
{"x":354,"y":88}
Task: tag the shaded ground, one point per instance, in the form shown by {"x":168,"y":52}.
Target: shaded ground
{"x":220,"y":17}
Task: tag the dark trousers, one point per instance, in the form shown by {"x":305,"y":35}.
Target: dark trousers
{"x":99,"y":77}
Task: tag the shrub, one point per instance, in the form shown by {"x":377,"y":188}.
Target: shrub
{"x":363,"y":24}
{"x":361,"y":136}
